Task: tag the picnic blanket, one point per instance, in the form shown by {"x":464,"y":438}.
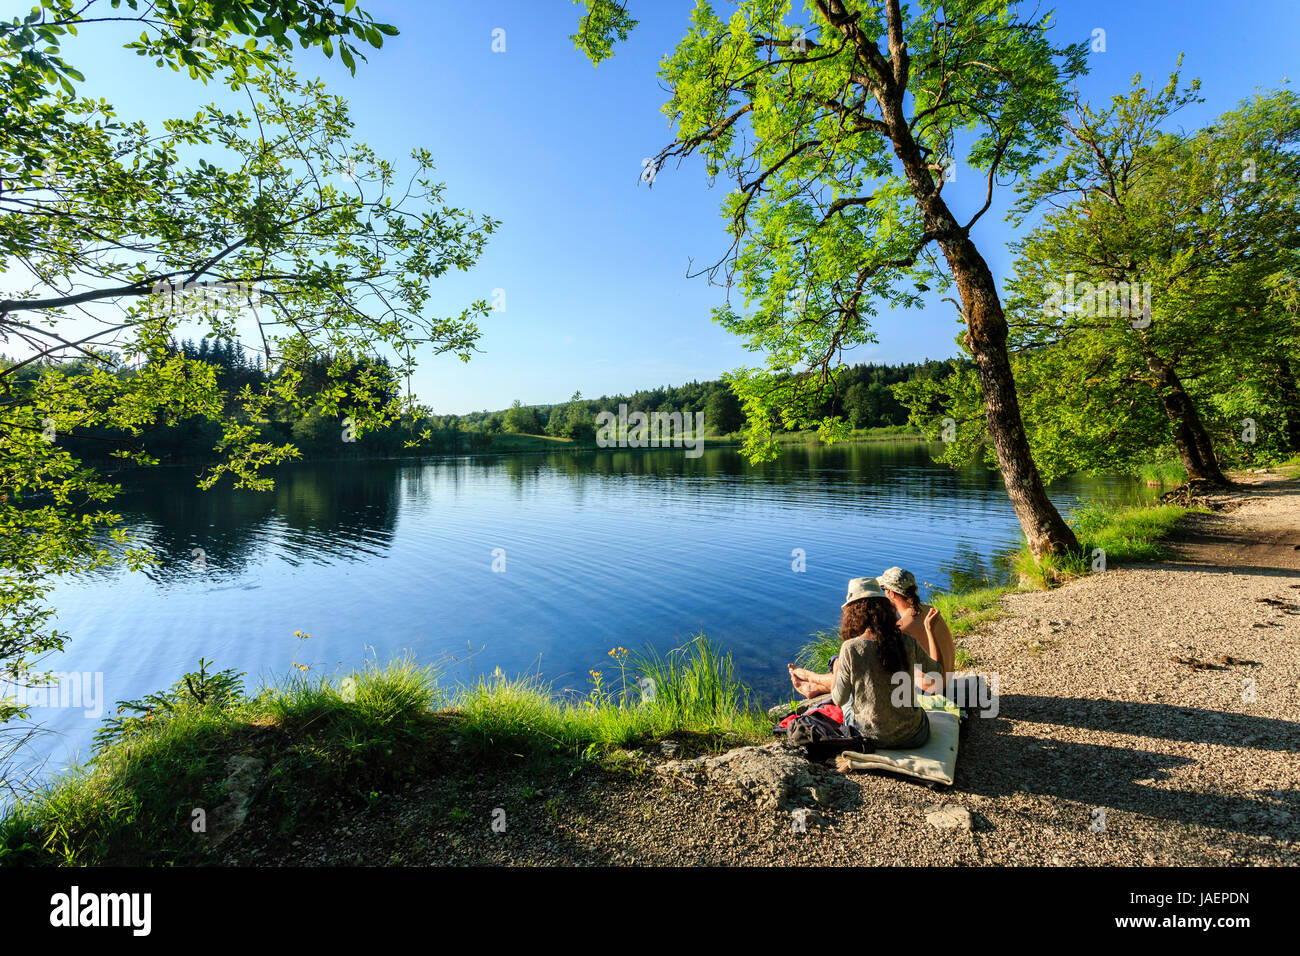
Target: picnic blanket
{"x":935,"y":762}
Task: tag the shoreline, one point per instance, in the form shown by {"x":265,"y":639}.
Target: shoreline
{"x":721,"y":442}
{"x":1115,"y":707}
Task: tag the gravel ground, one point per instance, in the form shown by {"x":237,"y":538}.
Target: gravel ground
{"x":1148,"y":715}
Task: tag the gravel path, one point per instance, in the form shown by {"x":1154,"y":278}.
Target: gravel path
{"x":1148,"y":715}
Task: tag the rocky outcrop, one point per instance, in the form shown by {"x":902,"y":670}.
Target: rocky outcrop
{"x":770,"y":776}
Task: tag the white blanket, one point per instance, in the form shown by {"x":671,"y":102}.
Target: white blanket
{"x":936,"y":762}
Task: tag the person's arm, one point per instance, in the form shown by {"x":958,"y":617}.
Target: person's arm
{"x":810,"y":683}
{"x":842,"y":684}
{"x":941,"y":643}
{"x":927,"y":664}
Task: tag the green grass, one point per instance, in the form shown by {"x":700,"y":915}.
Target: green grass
{"x":512,"y":443}
{"x":348,"y":744}
{"x":1126,"y":535}
{"x":1163,"y":473}
{"x":966,"y":612}
{"x":809,"y":436}
{"x":133,"y":803}
{"x":1289,"y":466}
{"x":817,"y":651}
{"x":692,"y":691}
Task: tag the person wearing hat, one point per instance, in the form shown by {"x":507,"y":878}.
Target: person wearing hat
{"x":923,"y":623}
{"x":876,"y":662}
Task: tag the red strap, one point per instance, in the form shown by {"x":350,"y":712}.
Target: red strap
{"x":830,"y":710}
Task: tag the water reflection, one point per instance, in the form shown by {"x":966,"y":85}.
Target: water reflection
{"x":318,"y":513}
{"x":613,"y":548}
{"x":349,"y":511}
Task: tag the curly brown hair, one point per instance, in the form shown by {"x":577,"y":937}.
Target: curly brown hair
{"x":875,"y":616}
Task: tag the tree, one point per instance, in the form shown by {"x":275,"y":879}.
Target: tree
{"x":573,"y":420}
{"x":864,"y":404}
{"x":840,"y":150}
{"x":1147,"y":285}
{"x":310,"y":230}
{"x":598,"y":28}
{"x":522,"y":420}
{"x":722,"y":411}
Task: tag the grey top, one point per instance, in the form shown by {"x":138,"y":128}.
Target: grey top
{"x":862,"y":683}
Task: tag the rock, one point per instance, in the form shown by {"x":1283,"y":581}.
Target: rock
{"x":668,"y":747}
{"x":770,"y":775}
{"x":950,"y":816}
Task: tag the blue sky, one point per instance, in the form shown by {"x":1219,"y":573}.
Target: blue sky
{"x":593,"y":263}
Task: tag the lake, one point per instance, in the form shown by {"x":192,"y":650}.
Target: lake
{"x":592,"y":551}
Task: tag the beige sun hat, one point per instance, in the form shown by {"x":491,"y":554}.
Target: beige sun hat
{"x":860,"y":588}
{"x":897,"y":580}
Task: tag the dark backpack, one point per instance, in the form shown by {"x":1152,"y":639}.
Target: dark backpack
{"x":822,"y":737}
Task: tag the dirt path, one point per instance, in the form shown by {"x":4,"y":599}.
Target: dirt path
{"x":1148,"y":715}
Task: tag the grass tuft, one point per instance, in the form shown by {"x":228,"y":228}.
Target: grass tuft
{"x":1164,"y":474}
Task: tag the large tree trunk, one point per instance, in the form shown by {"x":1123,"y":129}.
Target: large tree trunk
{"x":1195,"y":449}
{"x":986,"y":324}
{"x":1045,"y":529}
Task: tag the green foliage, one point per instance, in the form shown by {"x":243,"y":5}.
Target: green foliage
{"x":695,"y":687}
{"x":1207,"y":224}
{"x":1126,"y":535}
{"x":273,"y":213}
{"x":206,"y":38}
{"x":604,"y":22}
{"x":693,"y":690}
{"x":837,"y":197}
{"x":966,"y":612}
{"x":1216,"y":246}
{"x":521,"y":420}
{"x":133,"y":803}
{"x":1163,"y":473}
{"x":815,"y":653}
{"x":195,"y":690}
{"x":348,"y":743}
{"x":722,"y":412}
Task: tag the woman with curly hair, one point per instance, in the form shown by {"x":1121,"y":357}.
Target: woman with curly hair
{"x":873,"y":675}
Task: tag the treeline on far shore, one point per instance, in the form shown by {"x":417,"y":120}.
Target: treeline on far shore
{"x":862,"y":395}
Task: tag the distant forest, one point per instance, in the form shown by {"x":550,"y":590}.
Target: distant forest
{"x":862,"y":396}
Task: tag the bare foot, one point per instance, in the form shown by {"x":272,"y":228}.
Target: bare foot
{"x":801,"y":679}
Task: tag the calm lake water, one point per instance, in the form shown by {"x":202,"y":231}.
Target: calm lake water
{"x":619,"y":548}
